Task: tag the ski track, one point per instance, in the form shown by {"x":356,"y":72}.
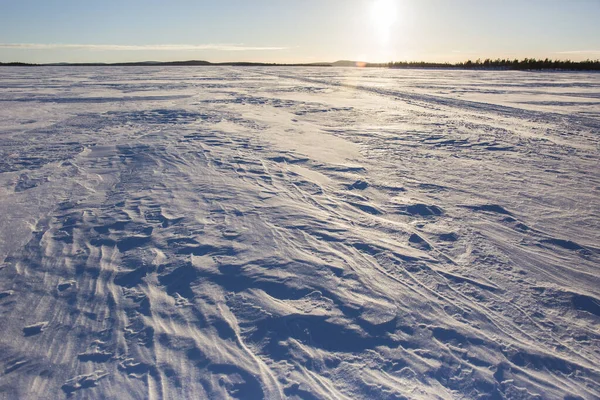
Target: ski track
{"x":171,"y":233}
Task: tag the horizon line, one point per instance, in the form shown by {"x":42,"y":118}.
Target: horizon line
{"x":483,"y":63}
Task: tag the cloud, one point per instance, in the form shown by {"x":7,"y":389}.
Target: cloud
{"x":144,"y":47}
{"x":579,"y":52}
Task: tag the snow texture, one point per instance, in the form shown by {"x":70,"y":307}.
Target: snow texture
{"x":330,"y":233}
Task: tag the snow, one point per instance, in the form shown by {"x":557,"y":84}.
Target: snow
{"x":219,"y":232}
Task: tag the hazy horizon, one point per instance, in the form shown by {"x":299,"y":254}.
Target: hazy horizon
{"x":292,"y":32}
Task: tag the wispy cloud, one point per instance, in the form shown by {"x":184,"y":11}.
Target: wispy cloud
{"x":144,"y":47}
{"x":579,"y":52}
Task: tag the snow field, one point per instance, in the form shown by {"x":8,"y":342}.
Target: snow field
{"x":299,"y":233}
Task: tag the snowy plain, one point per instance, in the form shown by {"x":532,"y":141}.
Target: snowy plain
{"x":303,"y":233}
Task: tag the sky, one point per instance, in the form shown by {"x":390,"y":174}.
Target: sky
{"x":43,"y":31}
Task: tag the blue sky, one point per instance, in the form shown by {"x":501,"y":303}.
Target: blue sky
{"x":297,"y":30}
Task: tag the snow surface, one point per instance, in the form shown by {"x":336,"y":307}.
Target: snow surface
{"x":299,"y":233}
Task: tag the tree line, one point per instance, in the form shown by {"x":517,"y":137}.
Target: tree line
{"x":503,"y":64}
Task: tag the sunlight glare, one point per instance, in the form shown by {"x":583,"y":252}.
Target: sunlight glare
{"x":384,"y":13}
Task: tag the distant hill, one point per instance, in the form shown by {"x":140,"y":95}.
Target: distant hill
{"x":167,"y":63}
{"x":347,"y":63}
{"x":140,"y":63}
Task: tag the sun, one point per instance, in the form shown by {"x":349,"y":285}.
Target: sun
{"x":384,"y":14}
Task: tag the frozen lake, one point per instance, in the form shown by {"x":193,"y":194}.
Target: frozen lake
{"x":220,"y":232}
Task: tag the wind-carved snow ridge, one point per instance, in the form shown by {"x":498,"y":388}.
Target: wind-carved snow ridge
{"x":172,"y":233}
